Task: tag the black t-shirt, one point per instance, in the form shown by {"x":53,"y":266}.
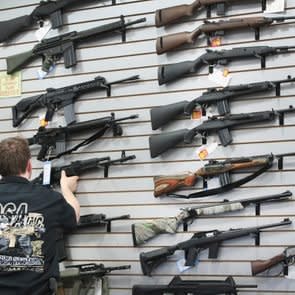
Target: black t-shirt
{"x":29,"y":217}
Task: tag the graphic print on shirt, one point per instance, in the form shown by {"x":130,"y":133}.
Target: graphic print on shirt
{"x":21,"y":238}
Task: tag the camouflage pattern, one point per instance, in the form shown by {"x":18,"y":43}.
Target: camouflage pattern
{"x":218,"y":209}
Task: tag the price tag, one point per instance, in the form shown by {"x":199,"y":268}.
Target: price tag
{"x":275,"y":6}
{"x":42,"y":74}
{"x":42,"y":32}
{"x":205,"y":150}
{"x":215,"y":41}
{"x":46,"y":172}
{"x":181,"y":265}
{"x":220,"y":76}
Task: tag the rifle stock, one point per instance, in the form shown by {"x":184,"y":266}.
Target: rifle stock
{"x":259,"y":266}
{"x":17,"y":61}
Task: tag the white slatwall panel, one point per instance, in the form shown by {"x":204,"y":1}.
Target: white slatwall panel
{"x":129,"y":188}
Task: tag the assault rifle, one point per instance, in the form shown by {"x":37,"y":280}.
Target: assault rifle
{"x":84,"y":276}
{"x":55,"y":138}
{"x":222,"y":125}
{"x":148,"y":229}
{"x":52,"y":49}
{"x":187,"y":287}
{"x":162,"y":115}
{"x":171,"y":72}
{"x":77,"y":168}
{"x":276,"y":265}
{"x":221,"y":169}
{"x":172,"y":14}
{"x":211,"y":29}
{"x":200,"y":241}
{"x":65,"y":97}
{"x":45,"y":9}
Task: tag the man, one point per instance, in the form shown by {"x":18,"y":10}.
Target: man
{"x":29,"y":217}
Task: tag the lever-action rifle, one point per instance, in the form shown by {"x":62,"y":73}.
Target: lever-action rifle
{"x":162,"y":115}
{"x":211,"y":29}
{"x":45,"y":9}
{"x":55,"y":138}
{"x":221,"y":169}
{"x":65,"y":97}
{"x":222,"y":125}
{"x":77,"y":168}
{"x":172,"y":14}
{"x":187,"y":287}
{"x":171,"y":72}
{"x":148,"y":229}
{"x":276,"y":265}
{"x":52,"y":49}
{"x":201,"y":241}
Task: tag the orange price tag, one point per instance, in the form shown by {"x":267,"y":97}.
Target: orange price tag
{"x":203,"y":154}
{"x":196,"y":114}
{"x":215,"y":42}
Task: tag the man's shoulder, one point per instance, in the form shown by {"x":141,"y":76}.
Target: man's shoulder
{"x":45,"y":190}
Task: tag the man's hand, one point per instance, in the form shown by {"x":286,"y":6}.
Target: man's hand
{"x":68,"y":183}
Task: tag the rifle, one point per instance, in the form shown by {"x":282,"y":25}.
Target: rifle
{"x":52,"y":49}
{"x":162,"y":115}
{"x":55,"y":138}
{"x":171,"y":72}
{"x":200,"y":241}
{"x":52,"y":9}
{"x":222,"y":169}
{"x":187,"y":287}
{"x":276,"y":265}
{"x":222,"y":125}
{"x":85,"y":275}
{"x":148,"y":229}
{"x":172,"y":14}
{"x":77,"y":168}
{"x":65,"y":97}
{"x":211,"y":29}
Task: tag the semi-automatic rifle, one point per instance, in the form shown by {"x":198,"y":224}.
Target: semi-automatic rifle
{"x":201,"y":241}
{"x":55,"y":138}
{"x":77,"y":168}
{"x":222,"y":125}
{"x":162,"y":115}
{"x":52,"y":9}
{"x":186,"y":287}
{"x":172,"y":14}
{"x":210,"y":29}
{"x":171,"y":72}
{"x":221,"y":169}
{"x":276,"y":265}
{"x":52,"y":49}
{"x":148,"y":229}
{"x":57,"y":98}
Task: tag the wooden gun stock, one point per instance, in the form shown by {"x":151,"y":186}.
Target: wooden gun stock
{"x":259,"y":266}
{"x":172,"y":14}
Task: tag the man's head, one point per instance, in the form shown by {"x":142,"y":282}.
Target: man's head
{"x":15,"y":157}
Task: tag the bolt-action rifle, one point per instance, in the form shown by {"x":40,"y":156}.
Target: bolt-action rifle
{"x":201,"y":241}
{"x":187,"y":287}
{"x":276,"y":265}
{"x":65,"y":97}
{"x":171,"y":72}
{"x":222,"y":125}
{"x":221,"y":169}
{"x":55,"y":138}
{"x":172,"y":14}
{"x":162,"y":115}
{"x":52,"y":49}
{"x":52,"y":9}
{"x":148,"y":229}
{"x":211,"y":29}
{"x":77,"y":168}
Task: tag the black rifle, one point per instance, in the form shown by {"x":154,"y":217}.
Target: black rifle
{"x":171,"y":72}
{"x":52,"y":49}
{"x":65,"y":97}
{"x":186,"y":287}
{"x":51,"y":9}
{"x":200,"y":241}
{"x":55,"y":138}
{"x":77,"y":168}
{"x":222,"y":125}
{"x":162,"y":115}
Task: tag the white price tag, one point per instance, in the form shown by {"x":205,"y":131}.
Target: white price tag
{"x":274,"y":6}
{"x":46,"y":172}
{"x":291,"y":272}
{"x":41,"y":33}
{"x":181,"y":265}
{"x":41,"y":74}
{"x":220,"y":76}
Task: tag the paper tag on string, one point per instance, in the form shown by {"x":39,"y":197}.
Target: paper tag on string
{"x":10,"y":85}
{"x":42,"y":32}
{"x":215,"y":41}
{"x":291,"y":272}
{"x":46,"y":172}
{"x":205,"y":150}
{"x":42,"y":122}
{"x":181,"y":265}
{"x":197,"y":114}
{"x":220,"y":76}
{"x":275,"y":6}
{"x":42,"y":74}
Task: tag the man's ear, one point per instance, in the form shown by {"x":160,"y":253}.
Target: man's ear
{"x":29,"y":168}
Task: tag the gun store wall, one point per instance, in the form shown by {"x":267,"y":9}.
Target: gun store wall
{"x":128,"y":187}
